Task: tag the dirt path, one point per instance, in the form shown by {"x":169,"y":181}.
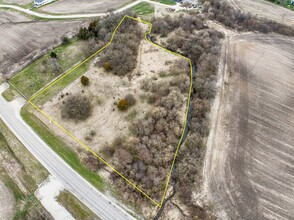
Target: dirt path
{"x":249,"y":165}
{"x":6,"y":202}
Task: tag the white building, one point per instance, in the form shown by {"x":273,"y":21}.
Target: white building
{"x":38,"y":3}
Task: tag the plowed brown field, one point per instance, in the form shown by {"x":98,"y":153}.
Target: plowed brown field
{"x":249,"y":168}
{"x":22,"y":39}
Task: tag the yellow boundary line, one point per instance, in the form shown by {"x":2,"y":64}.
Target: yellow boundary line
{"x":159,"y":204}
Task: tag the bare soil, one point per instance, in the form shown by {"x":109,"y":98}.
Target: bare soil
{"x":7,"y":202}
{"x":85,"y":6}
{"x":249,"y":165}
{"x":17,"y":51}
{"x":265,"y":9}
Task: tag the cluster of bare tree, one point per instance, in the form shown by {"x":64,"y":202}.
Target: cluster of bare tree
{"x":230,"y":17}
{"x":91,"y":162}
{"x":147,"y":156}
{"x":98,"y":33}
{"x":76,"y":107}
{"x":100,"y":29}
{"x":164,"y":26}
{"x":202,"y":46}
{"x":121,"y":55}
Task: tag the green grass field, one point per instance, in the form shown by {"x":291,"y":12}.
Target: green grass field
{"x":60,"y":147}
{"x":58,"y":85}
{"x":143,"y":8}
{"x":44,"y":70}
{"x":167,"y":2}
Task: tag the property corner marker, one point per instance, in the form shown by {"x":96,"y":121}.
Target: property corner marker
{"x":157,"y":203}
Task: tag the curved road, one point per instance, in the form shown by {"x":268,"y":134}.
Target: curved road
{"x":88,"y":15}
{"x":103,"y":206}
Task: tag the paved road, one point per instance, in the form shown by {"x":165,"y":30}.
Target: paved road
{"x":103,"y":206}
{"x":88,"y":15}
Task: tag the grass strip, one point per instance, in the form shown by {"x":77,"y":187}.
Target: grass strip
{"x":77,"y":209}
{"x":60,"y":147}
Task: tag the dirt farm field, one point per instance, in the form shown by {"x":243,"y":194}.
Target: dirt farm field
{"x":265,"y":9}
{"x":16,"y":51}
{"x":108,"y":89}
{"x":6,"y":202}
{"x":20,"y":2}
{"x":85,"y":6}
{"x":249,"y":168}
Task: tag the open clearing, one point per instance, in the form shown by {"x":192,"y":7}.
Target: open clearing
{"x":249,"y":164}
{"x":157,"y":74}
{"x":85,"y":6}
{"x":265,"y":9}
{"x":17,"y":51}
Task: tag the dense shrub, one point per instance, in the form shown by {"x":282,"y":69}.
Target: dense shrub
{"x":123,"y":105}
{"x":100,"y":29}
{"x":65,"y":40}
{"x":221,"y":11}
{"x":85,"y":80}
{"x":130,"y":99}
{"x":53,"y":55}
{"x":107,"y":66}
{"x":123,"y":51}
{"x":76,"y":107}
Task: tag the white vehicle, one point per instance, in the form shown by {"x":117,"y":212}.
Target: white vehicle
{"x":38,"y":3}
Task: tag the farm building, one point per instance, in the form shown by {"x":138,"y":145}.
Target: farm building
{"x":38,"y":3}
